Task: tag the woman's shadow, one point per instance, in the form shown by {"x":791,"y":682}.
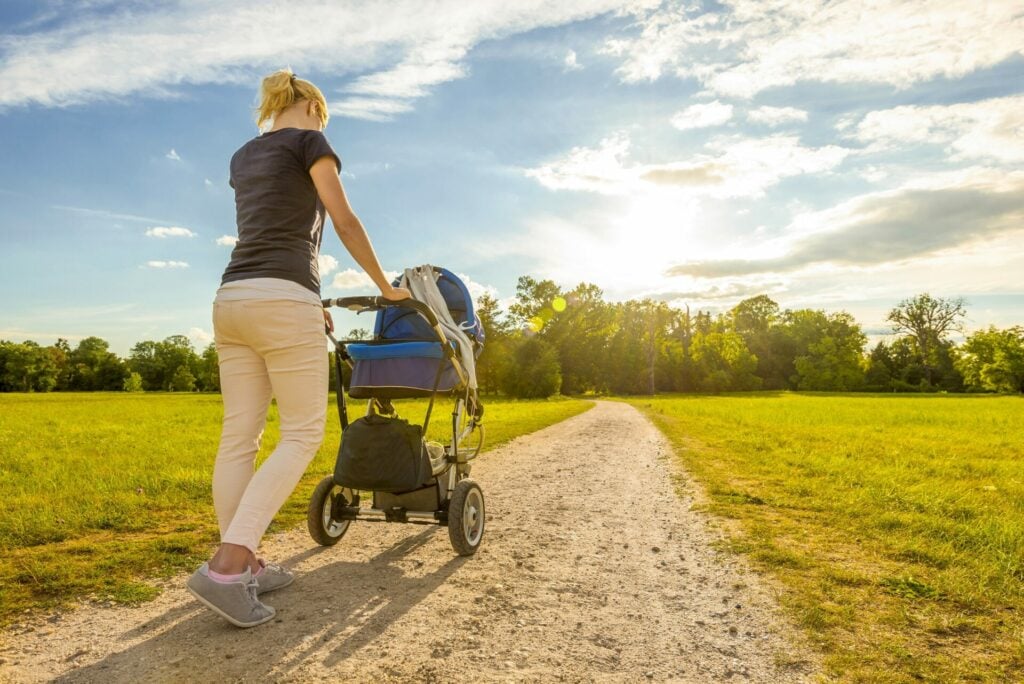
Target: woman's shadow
{"x":331,"y":611}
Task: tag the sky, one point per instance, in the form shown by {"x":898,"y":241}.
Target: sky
{"x":840,"y":155}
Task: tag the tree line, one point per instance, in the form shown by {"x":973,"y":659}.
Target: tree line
{"x":573,"y":341}
{"x":553,"y":340}
{"x":172,"y":365}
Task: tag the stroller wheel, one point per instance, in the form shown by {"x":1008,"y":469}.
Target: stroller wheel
{"x":324,"y":529}
{"x":466,"y":517}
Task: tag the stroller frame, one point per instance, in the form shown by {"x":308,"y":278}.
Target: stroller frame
{"x":451,"y":498}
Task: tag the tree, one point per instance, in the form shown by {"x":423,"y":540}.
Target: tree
{"x":157,"y":362}
{"x":133,"y":383}
{"x":880,"y":370}
{"x":723,"y":363}
{"x":182,"y":380}
{"x":93,"y":367}
{"x":759,"y":322}
{"x":27,"y":367}
{"x":209,"y":369}
{"x":496,"y":356}
{"x":928,"y":320}
{"x":832,"y":361}
{"x":535,"y":302}
{"x":142,"y":359}
{"x":535,"y":372}
{"x":993,"y":360}
{"x":638,"y":346}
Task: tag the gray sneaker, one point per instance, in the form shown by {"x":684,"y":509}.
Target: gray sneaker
{"x":236,"y":602}
{"x":272,"y":577}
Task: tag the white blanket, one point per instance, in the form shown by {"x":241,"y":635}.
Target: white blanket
{"x":422,"y":282}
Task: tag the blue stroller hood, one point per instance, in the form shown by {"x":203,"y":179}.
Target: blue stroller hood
{"x":403,"y":324}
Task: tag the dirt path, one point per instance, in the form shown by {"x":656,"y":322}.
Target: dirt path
{"x":591,"y":568}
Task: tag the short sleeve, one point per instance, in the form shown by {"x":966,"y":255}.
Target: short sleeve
{"x":314,"y":146}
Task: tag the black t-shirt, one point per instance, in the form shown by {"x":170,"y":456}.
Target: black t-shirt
{"x":280,"y":216}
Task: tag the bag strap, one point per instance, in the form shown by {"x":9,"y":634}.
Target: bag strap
{"x":339,"y":376}
{"x":433,"y":394}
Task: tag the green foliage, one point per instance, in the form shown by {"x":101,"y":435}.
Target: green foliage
{"x":724,"y":363}
{"x":133,"y":383}
{"x":993,"y":360}
{"x":158,"y":362}
{"x":27,"y":367}
{"x":832,"y":359}
{"x":928,"y":321}
{"x":209,"y":369}
{"x":93,"y":367}
{"x":182,"y":380}
{"x":632,"y":347}
{"x":535,"y":372}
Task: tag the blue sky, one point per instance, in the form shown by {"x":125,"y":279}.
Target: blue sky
{"x":694,"y":153}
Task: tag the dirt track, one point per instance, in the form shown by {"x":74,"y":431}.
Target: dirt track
{"x":591,"y":568}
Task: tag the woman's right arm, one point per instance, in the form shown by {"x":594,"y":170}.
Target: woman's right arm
{"x":348,"y":226}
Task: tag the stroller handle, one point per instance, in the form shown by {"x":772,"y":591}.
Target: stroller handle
{"x":365,"y":303}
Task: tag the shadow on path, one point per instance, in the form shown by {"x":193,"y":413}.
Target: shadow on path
{"x":342,"y":607}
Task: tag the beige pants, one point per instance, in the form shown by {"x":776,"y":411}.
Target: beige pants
{"x":266,"y":347}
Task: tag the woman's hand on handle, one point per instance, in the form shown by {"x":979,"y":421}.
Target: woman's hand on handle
{"x":348,"y":227}
{"x":395,"y":294}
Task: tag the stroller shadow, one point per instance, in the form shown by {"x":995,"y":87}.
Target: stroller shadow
{"x":331,"y":612}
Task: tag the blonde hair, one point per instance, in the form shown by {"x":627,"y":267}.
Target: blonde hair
{"x":282,"y":89}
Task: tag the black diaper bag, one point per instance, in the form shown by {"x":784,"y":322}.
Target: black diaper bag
{"x":382,"y":454}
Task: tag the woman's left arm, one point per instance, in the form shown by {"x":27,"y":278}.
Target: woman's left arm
{"x":348,"y":226}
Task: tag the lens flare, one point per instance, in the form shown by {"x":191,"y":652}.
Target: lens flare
{"x":558,"y":304}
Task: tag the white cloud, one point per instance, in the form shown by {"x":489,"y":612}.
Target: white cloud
{"x":594,"y":170}
{"x":733,"y":166}
{"x":776,"y":116}
{"x":351,"y":279}
{"x":207,"y":182}
{"x":702,"y":115}
{"x":427,"y":65}
{"x":752,"y":45}
{"x":227,"y":240}
{"x":570,"y":62}
{"x":103,"y":213}
{"x":990,"y":129}
{"x":166,"y":264}
{"x":394,"y":51}
{"x":200,"y":336}
{"x":926,"y":216}
{"x":172,"y":155}
{"x":326,"y":264}
{"x":169,"y":231}
{"x":370,"y":108}
{"x":476,"y":289}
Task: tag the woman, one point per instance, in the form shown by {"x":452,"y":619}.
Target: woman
{"x":268,"y":325}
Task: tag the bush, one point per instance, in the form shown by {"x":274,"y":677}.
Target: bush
{"x":535,"y":372}
{"x":133,"y":383}
{"x":183,"y":380}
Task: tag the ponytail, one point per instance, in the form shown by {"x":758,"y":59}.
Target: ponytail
{"x":281,"y":90}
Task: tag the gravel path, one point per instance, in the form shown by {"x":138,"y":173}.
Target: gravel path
{"x":592,"y":568}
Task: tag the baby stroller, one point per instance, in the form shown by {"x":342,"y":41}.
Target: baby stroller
{"x":421,"y":347}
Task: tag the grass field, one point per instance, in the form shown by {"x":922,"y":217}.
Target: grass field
{"x":894,"y":524}
{"x":99,"y":491}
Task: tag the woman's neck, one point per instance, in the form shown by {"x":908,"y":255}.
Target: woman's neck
{"x":296,"y":117}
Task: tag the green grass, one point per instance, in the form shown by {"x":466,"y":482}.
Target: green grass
{"x":895,"y":524}
{"x":100,"y":492}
